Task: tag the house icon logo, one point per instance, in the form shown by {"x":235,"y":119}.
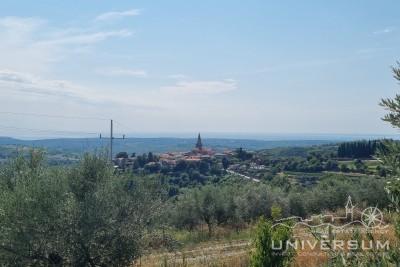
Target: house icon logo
{"x":370,"y":218}
{"x":349,"y":208}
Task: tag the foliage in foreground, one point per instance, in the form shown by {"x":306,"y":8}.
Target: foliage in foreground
{"x":388,"y":154}
{"x":264,"y":255}
{"x":85,"y":216}
{"x":237,"y":205}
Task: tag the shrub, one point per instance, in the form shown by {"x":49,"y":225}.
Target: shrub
{"x":85,"y":216}
{"x":265,"y":255}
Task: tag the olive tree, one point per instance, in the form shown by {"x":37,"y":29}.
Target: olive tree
{"x":84,"y":216}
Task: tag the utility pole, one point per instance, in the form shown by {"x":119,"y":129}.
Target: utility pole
{"x":112,"y":138}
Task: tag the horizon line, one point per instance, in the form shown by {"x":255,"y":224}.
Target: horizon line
{"x":226,"y":135}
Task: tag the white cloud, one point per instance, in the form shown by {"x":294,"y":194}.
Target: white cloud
{"x":26,"y":85}
{"x":18,"y":24}
{"x":117,"y":14}
{"x":31,"y":45}
{"x":202,"y":87}
{"x":30,"y":67}
{"x":29,"y":87}
{"x":32,"y":84}
{"x":86,"y":38}
{"x":122,"y":72}
{"x":15,"y":31}
{"x":384,"y":31}
{"x":40,"y":95}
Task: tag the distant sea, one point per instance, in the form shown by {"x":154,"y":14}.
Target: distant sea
{"x":164,"y":142}
{"x":271,"y":136}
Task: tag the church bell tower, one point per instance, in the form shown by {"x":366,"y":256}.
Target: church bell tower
{"x":199,"y":144}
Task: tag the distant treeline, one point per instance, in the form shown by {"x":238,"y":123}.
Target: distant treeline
{"x":358,"y":149}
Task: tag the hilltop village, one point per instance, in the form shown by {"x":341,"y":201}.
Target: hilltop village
{"x":284,"y":166}
{"x":195,"y":155}
{"x":200,"y":153}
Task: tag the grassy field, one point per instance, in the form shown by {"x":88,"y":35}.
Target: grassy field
{"x":371,"y":164}
{"x":226,"y":247}
{"x":214,"y":253}
{"x":229,"y":248}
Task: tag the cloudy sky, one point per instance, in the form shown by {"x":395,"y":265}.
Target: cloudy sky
{"x":188,"y":66}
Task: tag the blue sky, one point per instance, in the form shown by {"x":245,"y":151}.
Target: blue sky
{"x":189,"y":66}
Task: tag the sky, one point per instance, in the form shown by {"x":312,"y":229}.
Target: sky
{"x":228,"y":66}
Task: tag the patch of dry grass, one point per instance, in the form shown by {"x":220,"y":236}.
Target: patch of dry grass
{"x":317,"y":257}
{"x":218,"y":254}
{"x":231,"y":250}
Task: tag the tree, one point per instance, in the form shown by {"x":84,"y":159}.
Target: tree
{"x":243,"y":155}
{"x":358,"y":149}
{"x":381,"y":171}
{"x":270,"y":245}
{"x":204,"y":167}
{"x":123,"y":155}
{"x":197,"y":177}
{"x":180,"y":166}
{"x":150,"y":157}
{"x":388,"y":153}
{"x":152,"y":167}
{"x":344,"y":168}
{"x":360,"y":166}
{"x":296,"y":204}
{"x":393,"y":105}
{"x":206,"y":206}
{"x":31,"y":204}
{"x":276,"y":211}
{"x":331,"y":165}
{"x":84,"y":216}
{"x":136,"y":164}
{"x":225,"y":163}
{"x":186,"y":212}
{"x":141,"y":160}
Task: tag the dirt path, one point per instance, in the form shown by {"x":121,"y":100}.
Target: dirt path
{"x":234,"y":254}
{"x":243,"y":176}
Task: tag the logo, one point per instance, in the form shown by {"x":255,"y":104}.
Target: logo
{"x":331,"y":231}
{"x":370,"y":218}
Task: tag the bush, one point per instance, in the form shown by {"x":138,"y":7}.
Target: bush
{"x":85,"y":216}
{"x":267,"y":241}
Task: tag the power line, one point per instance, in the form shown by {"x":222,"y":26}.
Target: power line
{"x":62,"y":132}
{"x":46,"y":131}
{"x":51,"y":115}
{"x":125,"y":126}
{"x":112,"y":138}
